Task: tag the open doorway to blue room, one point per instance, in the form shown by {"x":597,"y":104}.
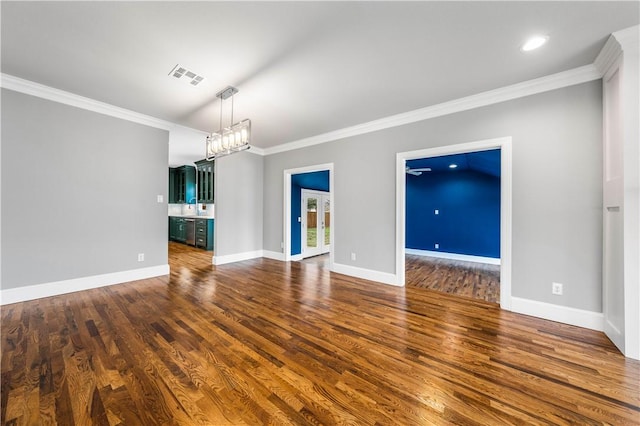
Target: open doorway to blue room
{"x":452,"y":224}
{"x":310,"y":215}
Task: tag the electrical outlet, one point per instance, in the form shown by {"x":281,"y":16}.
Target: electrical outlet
{"x":556,"y":288}
{"x":353,"y":256}
{"x":436,"y":211}
{"x":140,"y":257}
{"x":436,"y":245}
{"x":160,"y":199}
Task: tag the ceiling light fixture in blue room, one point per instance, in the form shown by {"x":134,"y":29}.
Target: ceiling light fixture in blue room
{"x":453,"y":166}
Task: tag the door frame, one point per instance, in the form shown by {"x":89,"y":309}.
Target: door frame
{"x":320,"y":195}
{"x":504,"y":144}
{"x":286,"y":216}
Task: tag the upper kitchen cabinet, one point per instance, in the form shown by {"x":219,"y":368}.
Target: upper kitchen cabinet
{"x":205,"y":181}
{"x":172,"y":186}
{"x":182,"y":185}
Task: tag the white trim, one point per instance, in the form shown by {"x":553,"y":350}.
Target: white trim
{"x":366,"y":274}
{"x":504,"y":144}
{"x":531,"y":87}
{"x":37,"y":291}
{"x":543,"y":84}
{"x":256,"y":150}
{"x":453,"y":256}
{"x":563,"y":314}
{"x":275,"y":255}
{"x":237,"y":257}
{"x":297,"y":257}
{"x":608,"y":56}
{"x":45,"y":92}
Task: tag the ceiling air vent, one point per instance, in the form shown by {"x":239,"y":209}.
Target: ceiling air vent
{"x":186,"y":75}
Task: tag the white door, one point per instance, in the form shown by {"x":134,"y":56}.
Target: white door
{"x":316,"y":223}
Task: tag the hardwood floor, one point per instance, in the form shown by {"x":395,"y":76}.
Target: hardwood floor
{"x":267,"y":342}
{"x":456,"y":277}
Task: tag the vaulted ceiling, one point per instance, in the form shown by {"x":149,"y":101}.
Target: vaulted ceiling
{"x":302,"y":68}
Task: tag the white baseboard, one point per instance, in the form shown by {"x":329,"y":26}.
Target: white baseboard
{"x":453,"y":256}
{"x":367,"y":274}
{"x":237,"y":257}
{"x":563,"y":314}
{"x":275,"y":255}
{"x":37,"y":291}
{"x":296,"y":257}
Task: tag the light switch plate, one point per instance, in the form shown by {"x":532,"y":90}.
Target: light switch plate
{"x":160,"y":199}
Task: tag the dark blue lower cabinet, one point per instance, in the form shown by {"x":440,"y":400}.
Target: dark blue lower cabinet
{"x":177,"y":229}
{"x":204,"y":233}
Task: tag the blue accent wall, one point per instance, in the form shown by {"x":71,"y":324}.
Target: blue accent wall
{"x":318,"y":181}
{"x":469,"y":212}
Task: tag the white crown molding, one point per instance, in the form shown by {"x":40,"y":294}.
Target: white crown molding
{"x":531,"y":87}
{"x":28,"y":87}
{"x":526,"y":88}
{"x":256,"y":150}
{"x":45,"y":92}
{"x":608,"y":56}
{"x":38,"y":291}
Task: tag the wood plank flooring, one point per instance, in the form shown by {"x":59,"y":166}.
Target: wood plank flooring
{"x":266,"y":342}
{"x":456,"y":277}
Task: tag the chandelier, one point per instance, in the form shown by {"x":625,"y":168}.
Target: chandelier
{"x":228,"y":140}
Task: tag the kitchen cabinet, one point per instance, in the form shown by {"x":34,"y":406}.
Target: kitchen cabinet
{"x":172,"y":186}
{"x":182,"y":185}
{"x":177,"y":229}
{"x":204,"y":233}
{"x":204,"y":179}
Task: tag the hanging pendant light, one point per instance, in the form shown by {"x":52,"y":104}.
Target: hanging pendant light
{"x":228,"y":140}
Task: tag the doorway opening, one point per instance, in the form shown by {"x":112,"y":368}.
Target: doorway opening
{"x":309,"y":223}
{"x":403,"y":160}
{"x":453,"y":224}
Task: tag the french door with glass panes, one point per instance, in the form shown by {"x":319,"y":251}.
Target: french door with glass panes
{"x":316,"y":223}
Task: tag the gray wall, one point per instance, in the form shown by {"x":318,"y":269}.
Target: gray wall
{"x":78,"y":192}
{"x":557,"y":189}
{"x":238,"y":204}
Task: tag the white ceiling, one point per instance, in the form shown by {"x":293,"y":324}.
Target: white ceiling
{"x":302,"y":68}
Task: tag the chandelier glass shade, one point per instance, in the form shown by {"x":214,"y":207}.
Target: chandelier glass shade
{"x":231,"y":139}
{"x":228,"y":140}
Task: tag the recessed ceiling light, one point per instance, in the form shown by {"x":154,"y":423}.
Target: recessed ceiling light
{"x":534,"y":43}
{"x":453,"y":166}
